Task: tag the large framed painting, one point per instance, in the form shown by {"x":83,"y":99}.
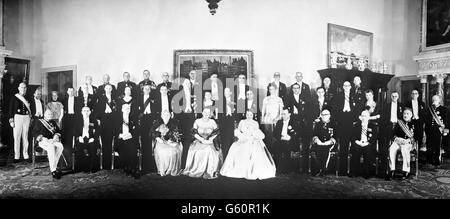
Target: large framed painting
{"x":435,"y":24}
{"x":225,"y":63}
{"x":347,"y":44}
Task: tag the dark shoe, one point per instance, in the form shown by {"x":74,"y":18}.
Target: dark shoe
{"x":389,"y":176}
{"x":16,"y":161}
{"x":137,"y":175}
{"x":55,"y":175}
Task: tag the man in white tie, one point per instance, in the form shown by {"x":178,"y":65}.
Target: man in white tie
{"x":214,"y":87}
{"x":106,"y":114}
{"x":344,"y":108}
{"x":286,"y":134}
{"x":37,"y":105}
{"x":240,"y":93}
{"x":393,"y":111}
{"x":87,"y":147}
{"x":364,"y":140}
{"x":20,"y":113}
{"x":92,"y":90}
{"x":148,"y":113}
{"x":69,"y":120}
{"x":419,"y":112}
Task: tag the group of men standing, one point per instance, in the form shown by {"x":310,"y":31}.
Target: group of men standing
{"x":329,"y":121}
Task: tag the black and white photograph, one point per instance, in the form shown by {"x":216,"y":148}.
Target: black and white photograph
{"x":234,"y":100}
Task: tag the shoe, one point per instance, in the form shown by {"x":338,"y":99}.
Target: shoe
{"x":137,"y":175}
{"x":16,"y":161}
{"x":55,"y":175}
{"x":389,"y":176}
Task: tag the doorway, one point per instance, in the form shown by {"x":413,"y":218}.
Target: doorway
{"x":58,"y":79}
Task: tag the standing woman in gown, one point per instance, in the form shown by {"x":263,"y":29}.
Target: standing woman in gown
{"x":372,"y":106}
{"x":248,"y":157}
{"x":204,"y":159}
{"x":168,"y":148}
{"x":57,"y":108}
{"x":271,"y":113}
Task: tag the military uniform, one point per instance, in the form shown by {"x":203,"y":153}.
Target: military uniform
{"x":404,"y":146}
{"x":144,"y":83}
{"x":323,"y":132}
{"x":20,"y":113}
{"x":434,"y":135}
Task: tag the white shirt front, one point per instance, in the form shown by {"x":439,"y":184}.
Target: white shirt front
{"x":90,"y":89}
{"x":321,"y":101}
{"x":164,"y":103}
{"x":214,"y":90}
{"x":125,"y":128}
{"x":85,"y":127}
{"x":284,"y":130}
{"x":364,"y":136}
{"x":347,"y":102}
{"x":277,"y":83}
{"x":229,"y":111}
{"x":70,"y":104}
{"x":241,"y":91}
{"x":297,"y":99}
{"x":415,"y":108}
{"x":394,"y":112}
{"x":147,"y":108}
{"x":107,"y":108}
{"x":249,"y":104}
{"x":39,"y":112}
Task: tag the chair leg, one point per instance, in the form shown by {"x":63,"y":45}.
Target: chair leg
{"x":33,"y":154}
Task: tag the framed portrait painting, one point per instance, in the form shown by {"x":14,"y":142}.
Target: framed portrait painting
{"x":435,"y":24}
{"x":349,"y":44}
{"x":224,"y":63}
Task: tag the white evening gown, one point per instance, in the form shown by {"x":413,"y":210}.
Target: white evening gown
{"x":203,"y":160}
{"x":248,"y":157}
{"x":168,"y":158}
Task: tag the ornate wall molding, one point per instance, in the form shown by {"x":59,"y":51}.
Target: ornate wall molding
{"x":433,"y":63}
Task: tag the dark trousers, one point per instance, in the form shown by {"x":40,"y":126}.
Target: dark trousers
{"x":186,"y":124}
{"x":387,"y":134}
{"x":321,"y":158}
{"x":128,"y":154}
{"x":345,"y":126}
{"x":283,"y":160}
{"x":226,"y":125}
{"x":68,"y":123}
{"x":87,"y":156}
{"x":419,"y":131}
{"x":434,"y":139}
{"x":107,"y":135}
{"x":366,"y":168}
{"x":148,"y":161}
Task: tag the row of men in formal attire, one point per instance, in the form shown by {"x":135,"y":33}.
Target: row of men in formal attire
{"x":147,"y":101}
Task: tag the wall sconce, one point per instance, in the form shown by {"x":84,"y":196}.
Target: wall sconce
{"x":213,"y":6}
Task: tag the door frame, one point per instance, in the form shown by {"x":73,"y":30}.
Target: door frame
{"x":45,"y":72}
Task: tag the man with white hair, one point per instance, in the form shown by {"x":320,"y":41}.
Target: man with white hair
{"x":92,"y":90}
{"x":282,"y":90}
{"x":101,"y":88}
{"x":436,"y":126}
{"x":48,"y":137}
{"x":20,"y":113}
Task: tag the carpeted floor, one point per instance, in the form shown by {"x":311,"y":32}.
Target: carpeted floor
{"x":21,"y":181}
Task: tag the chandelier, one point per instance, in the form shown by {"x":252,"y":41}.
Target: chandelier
{"x":213,"y":6}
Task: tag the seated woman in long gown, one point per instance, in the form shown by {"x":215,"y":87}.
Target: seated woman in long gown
{"x":248,"y":157}
{"x":168,"y":148}
{"x":204,"y":159}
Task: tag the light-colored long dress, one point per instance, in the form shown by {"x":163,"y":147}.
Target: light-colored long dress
{"x":168,"y":152}
{"x":203,"y":160}
{"x":248,"y":157}
{"x":56,"y":108}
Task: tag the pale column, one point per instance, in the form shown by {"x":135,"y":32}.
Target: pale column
{"x":3,"y":54}
{"x":440,"y":82}
{"x":423,"y":87}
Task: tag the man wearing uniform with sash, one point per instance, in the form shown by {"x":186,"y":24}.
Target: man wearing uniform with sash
{"x":48,"y":137}
{"x":20,"y":113}
{"x":403,"y":141}
{"x":435,"y":127}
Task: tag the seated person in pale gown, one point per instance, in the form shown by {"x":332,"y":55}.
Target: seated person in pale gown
{"x":248,"y":157}
{"x":204,"y":159}
{"x":168,"y":149}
